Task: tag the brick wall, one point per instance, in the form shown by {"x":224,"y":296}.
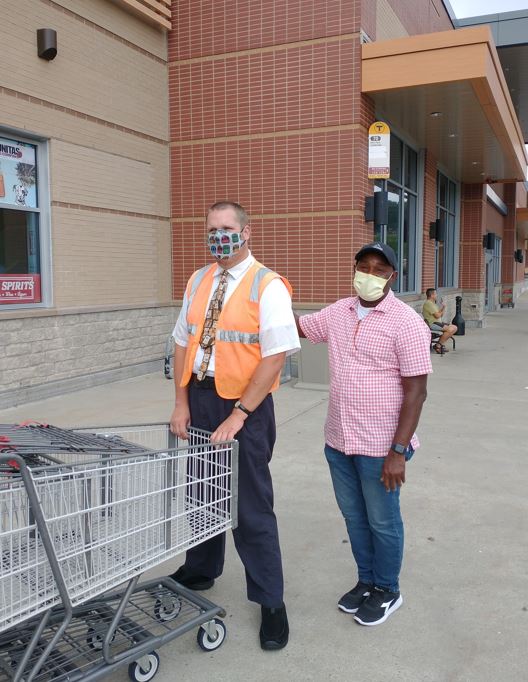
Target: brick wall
{"x":509,"y":242}
{"x":102,"y":104}
{"x":420,"y":16}
{"x":472,"y":267}
{"x":388,"y":24}
{"x":265,"y":109}
{"x":428,"y":250}
{"x":102,"y":107}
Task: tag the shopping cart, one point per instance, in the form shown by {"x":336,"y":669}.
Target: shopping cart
{"x":71,"y":532}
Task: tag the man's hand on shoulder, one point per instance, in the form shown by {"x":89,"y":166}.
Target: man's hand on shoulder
{"x":229,"y":427}
{"x":393,"y":471}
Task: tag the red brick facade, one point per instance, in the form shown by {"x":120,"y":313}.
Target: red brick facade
{"x":428,"y":254}
{"x":266,"y":109}
{"x":473,"y":206}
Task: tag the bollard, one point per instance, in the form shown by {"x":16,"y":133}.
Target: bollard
{"x":458,"y":319}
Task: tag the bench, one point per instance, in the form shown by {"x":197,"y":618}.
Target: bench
{"x":435,"y":336}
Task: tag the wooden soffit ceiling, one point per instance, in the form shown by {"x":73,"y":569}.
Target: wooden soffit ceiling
{"x":156,"y":12}
{"x":456,"y":76}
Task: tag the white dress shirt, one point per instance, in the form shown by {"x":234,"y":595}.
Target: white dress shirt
{"x":277,"y":328}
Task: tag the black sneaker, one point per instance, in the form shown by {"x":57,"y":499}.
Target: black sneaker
{"x":274,"y":630}
{"x":192,"y":582}
{"x":378,"y":607}
{"x":351,"y":601}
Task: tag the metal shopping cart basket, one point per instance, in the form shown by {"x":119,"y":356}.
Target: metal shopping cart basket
{"x":71,"y":532}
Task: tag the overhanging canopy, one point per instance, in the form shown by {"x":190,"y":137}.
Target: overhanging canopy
{"x":456,"y":76}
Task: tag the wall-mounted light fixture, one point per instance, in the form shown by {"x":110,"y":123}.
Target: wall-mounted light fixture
{"x":47,"y":43}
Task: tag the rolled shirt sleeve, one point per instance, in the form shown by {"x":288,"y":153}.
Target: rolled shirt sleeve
{"x":413,"y":348}
{"x":315,"y":325}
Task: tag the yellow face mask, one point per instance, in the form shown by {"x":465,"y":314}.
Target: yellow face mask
{"x":369,"y":287}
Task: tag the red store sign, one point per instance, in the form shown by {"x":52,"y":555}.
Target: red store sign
{"x":19,"y":289}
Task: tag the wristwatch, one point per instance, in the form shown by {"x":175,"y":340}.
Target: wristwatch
{"x":244,"y":409}
{"x":398,"y":448}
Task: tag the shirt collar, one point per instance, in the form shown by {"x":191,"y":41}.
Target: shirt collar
{"x":237,"y":271}
{"x":383,"y":306}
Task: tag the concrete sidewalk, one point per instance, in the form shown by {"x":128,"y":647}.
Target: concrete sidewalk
{"x":464,"y":582}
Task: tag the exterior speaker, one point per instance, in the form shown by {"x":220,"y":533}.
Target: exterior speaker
{"x":432,"y":230}
{"x":369,"y":209}
{"x":518,"y":255}
{"x":47,"y":43}
{"x":440,"y":230}
{"x":437,"y":230}
{"x":488,"y":241}
{"x":381,"y":208}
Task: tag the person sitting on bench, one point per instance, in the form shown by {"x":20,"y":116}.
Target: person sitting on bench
{"x":432,"y":314}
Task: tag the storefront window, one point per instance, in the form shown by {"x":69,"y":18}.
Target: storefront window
{"x":20,"y":266}
{"x":446,"y":251}
{"x":400,"y":231}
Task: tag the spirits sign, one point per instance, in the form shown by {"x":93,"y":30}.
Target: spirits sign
{"x":19,"y":288}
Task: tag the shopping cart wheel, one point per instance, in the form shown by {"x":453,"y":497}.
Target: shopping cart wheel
{"x":167,"y":608}
{"x":95,"y":639}
{"x":139,"y":673}
{"x":208,"y":642}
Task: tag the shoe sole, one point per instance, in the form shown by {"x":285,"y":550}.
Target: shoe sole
{"x":345,"y":610}
{"x":200,"y":587}
{"x":196,"y":587}
{"x":393,"y":608}
{"x":272,"y":646}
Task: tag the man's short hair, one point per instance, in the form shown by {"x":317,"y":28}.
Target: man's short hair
{"x":241,"y":213}
{"x":429,"y":291}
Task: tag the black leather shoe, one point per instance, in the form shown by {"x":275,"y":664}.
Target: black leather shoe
{"x":274,"y":631}
{"x":193,"y":582}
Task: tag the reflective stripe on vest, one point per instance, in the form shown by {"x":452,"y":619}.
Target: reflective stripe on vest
{"x":196,"y":283}
{"x":259,"y":276}
{"x":231,"y":336}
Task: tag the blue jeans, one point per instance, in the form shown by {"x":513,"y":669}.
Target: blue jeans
{"x":372,"y":516}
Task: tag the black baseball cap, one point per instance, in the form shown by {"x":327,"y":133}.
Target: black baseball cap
{"x":382,"y":249}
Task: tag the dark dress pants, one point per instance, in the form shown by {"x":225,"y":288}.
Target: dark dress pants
{"x":256,"y":537}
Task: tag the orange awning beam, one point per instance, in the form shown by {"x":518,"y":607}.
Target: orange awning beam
{"x":447,"y":90}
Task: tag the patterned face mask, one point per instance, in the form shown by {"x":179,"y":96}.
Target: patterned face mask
{"x":223,"y":244}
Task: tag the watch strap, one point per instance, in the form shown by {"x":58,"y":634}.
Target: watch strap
{"x":239,"y":405}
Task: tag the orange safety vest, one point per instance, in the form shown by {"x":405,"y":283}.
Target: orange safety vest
{"x":237,"y":348}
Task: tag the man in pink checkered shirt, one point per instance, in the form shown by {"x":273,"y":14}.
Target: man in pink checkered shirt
{"x":379,"y":356}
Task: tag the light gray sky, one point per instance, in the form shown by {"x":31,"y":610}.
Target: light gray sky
{"x":476,"y":8}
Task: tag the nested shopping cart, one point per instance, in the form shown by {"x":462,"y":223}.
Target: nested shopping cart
{"x":80,"y":522}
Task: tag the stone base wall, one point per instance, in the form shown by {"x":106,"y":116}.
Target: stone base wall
{"x":519,"y":288}
{"x":473,"y":308}
{"x":41,"y":356}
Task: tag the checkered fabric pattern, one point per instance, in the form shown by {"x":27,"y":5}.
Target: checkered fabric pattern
{"x":367,"y":360}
